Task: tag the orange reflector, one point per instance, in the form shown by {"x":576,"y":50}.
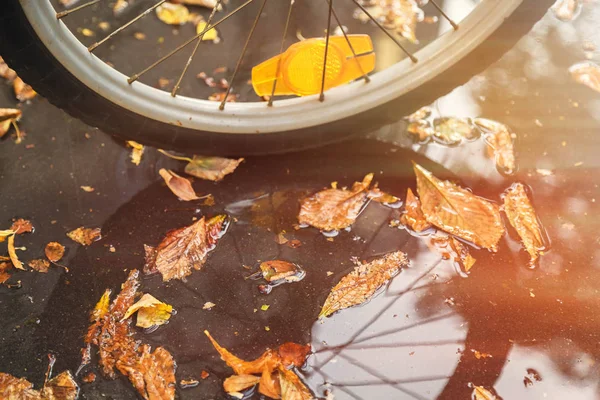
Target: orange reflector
{"x":301,"y":66}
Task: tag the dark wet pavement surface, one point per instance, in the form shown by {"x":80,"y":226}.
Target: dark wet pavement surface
{"x":417,"y":339}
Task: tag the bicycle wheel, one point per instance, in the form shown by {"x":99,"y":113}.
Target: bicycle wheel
{"x":50,"y":58}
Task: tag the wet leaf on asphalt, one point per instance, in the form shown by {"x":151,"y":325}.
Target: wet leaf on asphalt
{"x":523,"y":218}
{"x":481,"y":393}
{"x":458,"y":211}
{"x":39,"y":265}
{"x":186,"y":248}
{"x":211,"y":168}
{"x":85,"y":236}
{"x":586,"y":73}
{"x":4,"y":267}
{"x":333,"y":209}
{"x":23,"y":91}
{"x":54,"y":251}
{"x":173,"y":14}
{"x":500,"y":144}
{"x":21,"y":226}
{"x":6,"y":72}
{"x":421,"y":130}
{"x":179,"y":185}
{"x":362,"y":283}
{"x":150,"y":311}
{"x":12,"y":253}
{"x":278,"y":270}
{"x":237,"y":383}
{"x":137,"y":151}
{"x":451,"y":131}
{"x":61,"y":387}
{"x":292,"y":388}
{"x":413,"y":216}
{"x":8,"y":117}
{"x":451,"y":249}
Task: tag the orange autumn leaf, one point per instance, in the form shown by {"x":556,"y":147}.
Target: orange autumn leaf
{"x":481,"y":393}
{"x":61,"y":387}
{"x":54,"y":251}
{"x":278,"y":270}
{"x":413,"y":216}
{"x":292,"y":388}
{"x":4,"y":275}
{"x":362,"y":283}
{"x":451,"y":248}
{"x":12,"y":253}
{"x":500,"y":144}
{"x":211,"y":168}
{"x":39,"y":265}
{"x":237,"y":383}
{"x":523,"y":218}
{"x":185,"y":248}
{"x":334,"y":209}
{"x":8,"y":118}
{"x":85,"y":236}
{"x":180,"y":186}
{"x":23,"y":91}
{"x":21,"y":226}
{"x":458,"y":211}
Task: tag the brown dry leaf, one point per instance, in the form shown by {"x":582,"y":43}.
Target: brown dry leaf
{"x":54,"y":251}
{"x":413,"y":216}
{"x":586,"y":73}
{"x":462,"y":254}
{"x":150,"y":311}
{"x":451,"y":248}
{"x":277,"y":270}
{"x":237,"y":383}
{"x":333,"y":209}
{"x":500,"y":144}
{"x":17,"y":388}
{"x":382,"y":197}
{"x":173,"y":14}
{"x":61,"y":387}
{"x":239,"y":366}
{"x":451,"y":131}
{"x":211,"y":168}
{"x":420,"y":130}
{"x":12,"y":253}
{"x":481,"y":393}
{"x":280,"y":238}
{"x":458,"y":211}
{"x":8,"y":118}
{"x":293,"y":354}
{"x":23,"y":91}
{"x":85,"y":236}
{"x":180,"y":186}
{"x":523,"y":218}
{"x":151,"y":373}
{"x":39,"y":265}
{"x":137,"y":150}
{"x":4,"y":276}
{"x":567,"y":10}
{"x":21,"y":226}
{"x":6,"y":72}
{"x":292,"y":388}
{"x":362,"y":283}
{"x":186,"y":248}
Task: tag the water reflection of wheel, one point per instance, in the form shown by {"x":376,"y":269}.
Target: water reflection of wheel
{"x":49,"y":57}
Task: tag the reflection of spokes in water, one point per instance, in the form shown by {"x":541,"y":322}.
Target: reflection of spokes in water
{"x":198,"y":38}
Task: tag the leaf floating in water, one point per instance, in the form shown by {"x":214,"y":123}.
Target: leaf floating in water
{"x":500,"y":142}
{"x":452,"y":131}
{"x":137,"y":151}
{"x":421,"y":131}
{"x":277,"y":270}
{"x":333,"y":209}
{"x":586,"y":73}
{"x":421,"y":114}
{"x":186,"y":248}
{"x":458,"y":211}
{"x":211,"y":168}
{"x":173,"y":14}
{"x":85,"y":236}
{"x":39,"y":265}
{"x":268,"y":366}
{"x":463,"y":256}
{"x":151,"y":373}
{"x":54,"y":251}
{"x":8,"y":118}
{"x":413,"y":216}
{"x":180,"y":186}
{"x":292,"y":388}
{"x":23,"y":91}
{"x":452,"y":248}
{"x":481,"y":393}
{"x":382,"y":197}
{"x":523,"y":218}
{"x":150,"y":312}
{"x":567,"y":10}
{"x":362,"y":283}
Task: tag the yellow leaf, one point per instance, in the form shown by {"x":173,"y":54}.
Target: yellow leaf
{"x":481,"y":393}
{"x":173,"y":14}
{"x":180,"y":186}
{"x":151,"y":311}
{"x":500,"y":144}
{"x":137,"y":150}
{"x":237,"y":383}
{"x":101,"y":307}
{"x":458,"y":211}
{"x":292,"y":387}
{"x":13,"y":254}
{"x":211,"y":34}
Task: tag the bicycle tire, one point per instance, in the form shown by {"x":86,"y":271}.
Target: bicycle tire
{"x":24,"y":51}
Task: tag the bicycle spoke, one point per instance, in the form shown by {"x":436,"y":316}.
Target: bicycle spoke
{"x":237,"y":67}
{"x":354,"y":55}
{"x":412,"y":58}
{"x":322,"y":95}
{"x":198,"y":41}
{"x":135,"y":77}
{"x":285,"y":30}
{"x":454,"y":24}
{"x":62,"y":14}
{"x":142,"y":15}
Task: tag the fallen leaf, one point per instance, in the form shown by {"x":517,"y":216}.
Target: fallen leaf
{"x":382,"y":197}
{"x":85,"y":236}
{"x":208,"y":305}
{"x":137,"y":150}
{"x":187,"y":248}
{"x":173,"y":14}
{"x":88,"y":189}
{"x":204,"y":374}
{"x":419,"y":115}
{"x":12,"y":253}
{"x":420,"y":130}
{"x":54,"y":251}
{"x":586,"y":73}
{"x":210,"y":34}
{"x":333,"y":209}
{"x":500,"y":144}
{"x":89,"y":378}
{"x":362,"y":283}
{"x":237,"y":383}
{"x":280,"y":238}
{"x":452,"y":131}
{"x":39,"y":265}
{"x":567,"y":10}
{"x":6,"y":72}
{"x":293,"y":354}
{"x":481,"y":393}
{"x":23,"y":91}
{"x":139,"y":35}
{"x":61,"y":387}
{"x":163,"y":83}
{"x":150,"y":311}
{"x":523,"y":218}
{"x":292,"y":388}
{"x":152,"y":373}
{"x":211,"y":168}
{"x":188,"y":383}
{"x":401,"y":16}
{"x":278,"y":270}
{"x":8,"y":117}
{"x":239,"y":366}
{"x":479,"y":355}
{"x":462,"y":255}
{"x":87,"y":32}
{"x":120,"y":6}
{"x":413,"y":216}
{"x":458,"y":211}
{"x":21,"y":226}
{"x":180,"y":186}
{"x":4,"y":276}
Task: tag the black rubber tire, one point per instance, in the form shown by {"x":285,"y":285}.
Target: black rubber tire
{"x":23,"y":51}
